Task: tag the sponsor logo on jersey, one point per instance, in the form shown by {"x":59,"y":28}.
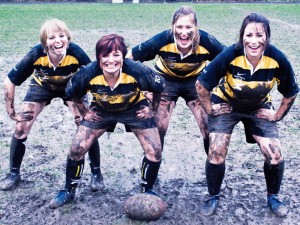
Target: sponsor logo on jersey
{"x":240,"y":76}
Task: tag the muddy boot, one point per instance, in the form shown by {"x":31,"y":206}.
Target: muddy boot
{"x":210,"y":206}
{"x":276,"y":206}
{"x":17,"y":151}
{"x":63,"y":197}
{"x":97,"y":183}
{"x":149,"y":192}
{"x":273,"y":175}
{"x":74,"y":170}
{"x":12,"y":179}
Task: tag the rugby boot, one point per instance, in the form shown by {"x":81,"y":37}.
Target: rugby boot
{"x":276,"y":206}
{"x":149,"y":191}
{"x":97,"y":183}
{"x":63,"y":197}
{"x":210,"y":205}
{"x":12,"y":179}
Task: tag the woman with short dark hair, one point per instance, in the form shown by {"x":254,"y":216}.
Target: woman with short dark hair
{"x":117,"y":86}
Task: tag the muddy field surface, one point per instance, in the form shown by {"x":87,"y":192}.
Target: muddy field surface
{"x":181,"y":182}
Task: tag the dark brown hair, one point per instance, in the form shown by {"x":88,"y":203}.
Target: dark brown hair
{"x":109,"y":43}
{"x":254,"y":18}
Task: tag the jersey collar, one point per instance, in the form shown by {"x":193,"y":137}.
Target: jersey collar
{"x":259,"y":65}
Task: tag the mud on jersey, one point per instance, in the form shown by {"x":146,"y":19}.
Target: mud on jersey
{"x":134,"y":78}
{"x":243,"y":88}
{"x":169,"y":62}
{"x":37,"y":63}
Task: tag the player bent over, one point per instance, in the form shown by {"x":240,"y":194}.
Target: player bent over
{"x":117,"y":86}
{"x":51,"y":63}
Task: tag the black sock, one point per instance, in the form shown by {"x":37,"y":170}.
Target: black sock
{"x":149,"y":172}
{"x":17,"y":152}
{"x":206,"y":145}
{"x":74,"y":170}
{"x":214,"y":177}
{"x":273,"y":175}
{"x":94,"y":157}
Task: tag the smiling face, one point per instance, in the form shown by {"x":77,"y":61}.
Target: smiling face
{"x":111,"y":63}
{"x":254,"y":41}
{"x":57,"y":44}
{"x":184,"y":32}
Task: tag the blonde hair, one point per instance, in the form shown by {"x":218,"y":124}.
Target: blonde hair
{"x":185,"y":11}
{"x":50,"y":26}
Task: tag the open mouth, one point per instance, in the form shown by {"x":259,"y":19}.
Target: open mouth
{"x":111,"y":65}
{"x":254,"y":47}
{"x":58,"y":46}
{"x":184,"y":40}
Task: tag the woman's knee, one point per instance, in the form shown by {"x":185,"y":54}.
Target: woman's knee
{"x":271,"y":149}
{"x":76,"y":152}
{"x":216,"y":157}
{"x":22,"y":129}
{"x":154,"y":155}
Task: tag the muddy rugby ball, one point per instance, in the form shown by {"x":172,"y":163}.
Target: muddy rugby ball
{"x":144,"y":207}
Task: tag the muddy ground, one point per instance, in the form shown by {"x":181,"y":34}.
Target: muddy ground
{"x":181,"y":179}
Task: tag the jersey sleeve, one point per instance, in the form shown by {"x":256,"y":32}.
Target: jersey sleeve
{"x":80,"y":54}
{"x":24,"y":68}
{"x":149,"y":49}
{"x":216,"y":69}
{"x":148,"y":79}
{"x":78,"y":85}
{"x":287,"y":84}
{"x":212,"y":44}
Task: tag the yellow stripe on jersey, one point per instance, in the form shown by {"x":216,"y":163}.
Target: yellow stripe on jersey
{"x":124,"y":79}
{"x":43,"y":61}
{"x":98,"y":80}
{"x":239,"y":84}
{"x":201,"y":50}
{"x":127,"y":79}
{"x":68,"y":60}
{"x":115,"y":99}
{"x":172,"y":48}
{"x":38,"y":80}
{"x":269,"y":63}
{"x":123,"y":99}
{"x":164,"y":66}
{"x":241,"y":62}
{"x":118,"y":99}
{"x":217,"y":91}
{"x":236,"y":84}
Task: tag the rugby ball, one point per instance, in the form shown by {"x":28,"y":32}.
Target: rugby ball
{"x":144,"y":207}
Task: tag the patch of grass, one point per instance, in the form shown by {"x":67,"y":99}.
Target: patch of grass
{"x":20,"y":23}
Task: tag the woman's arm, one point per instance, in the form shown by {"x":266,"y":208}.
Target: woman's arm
{"x":9,"y":96}
{"x":204,"y":96}
{"x":271,"y":115}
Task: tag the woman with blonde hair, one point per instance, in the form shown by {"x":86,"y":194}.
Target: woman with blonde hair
{"x":51,"y":64}
{"x":181,"y":54}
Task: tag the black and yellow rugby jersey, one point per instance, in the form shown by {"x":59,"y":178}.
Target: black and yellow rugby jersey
{"x":246,"y":90}
{"x":169,"y":62}
{"x":134,"y":78}
{"x":37,"y":63}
